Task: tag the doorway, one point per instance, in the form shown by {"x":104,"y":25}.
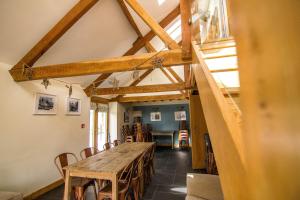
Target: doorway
{"x":98,"y":126}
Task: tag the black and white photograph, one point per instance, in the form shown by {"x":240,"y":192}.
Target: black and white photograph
{"x":45,"y":104}
{"x":180,"y":115}
{"x":73,"y":106}
{"x":155,"y":116}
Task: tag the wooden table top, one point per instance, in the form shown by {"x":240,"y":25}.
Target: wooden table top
{"x":112,"y":161}
{"x":162,"y":133}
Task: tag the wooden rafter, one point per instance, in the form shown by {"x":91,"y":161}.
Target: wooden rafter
{"x":125,"y":63}
{"x":167,"y":75}
{"x":141,"y":42}
{"x":187,"y":75}
{"x":150,"y":48}
{"x":151,"y":98}
{"x":141,"y":89}
{"x":150,"y":21}
{"x":185,"y":12}
{"x":55,"y":33}
{"x":96,"y":83}
{"x":99,"y":100}
{"x":223,"y":70}
{"x":129,"y":17}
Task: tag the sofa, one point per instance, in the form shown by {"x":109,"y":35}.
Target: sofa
{"x":10,"y":196}
{"x":203,"y":187}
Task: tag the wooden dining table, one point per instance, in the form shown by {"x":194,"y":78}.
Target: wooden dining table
{"x":106,"y":165}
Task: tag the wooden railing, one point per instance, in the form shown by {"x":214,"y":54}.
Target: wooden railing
{"x":224,"y":127}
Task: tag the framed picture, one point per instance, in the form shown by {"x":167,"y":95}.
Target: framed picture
{"x":126,"y":117}
{"x":155,"y":116}
{"x":45,"y":104}
{"x":73,"y":106}
{"x":180,"y":115}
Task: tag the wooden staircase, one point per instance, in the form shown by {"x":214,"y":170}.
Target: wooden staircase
{"x":223,"y":118}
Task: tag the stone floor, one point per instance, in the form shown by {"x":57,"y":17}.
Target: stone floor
{"x":169,"y":181}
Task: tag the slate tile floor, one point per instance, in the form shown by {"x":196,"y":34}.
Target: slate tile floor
{"x":169,"y":181}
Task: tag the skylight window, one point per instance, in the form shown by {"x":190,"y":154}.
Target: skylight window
{"x":160,"y":2}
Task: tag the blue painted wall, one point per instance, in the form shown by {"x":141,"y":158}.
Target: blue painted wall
{"x":167,"y":122}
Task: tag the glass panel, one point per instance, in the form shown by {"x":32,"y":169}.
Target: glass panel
{"x":92,"y":120}
{"x":102,"y":128}
{"x":227,"y":79}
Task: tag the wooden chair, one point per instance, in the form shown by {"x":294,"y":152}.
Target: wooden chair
{"x":149,"y":165}
{"x":106,"y":146}
{"x":79,"y":185}
{"x":183,"y":137}
{"x":116,"y":143}
{"x":88,"y":152}
{"x":123,"y":184}
{"x":129,"y":139}
{"x":137,"y":178}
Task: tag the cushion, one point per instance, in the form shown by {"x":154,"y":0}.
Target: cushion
{"x":204,"y":186}
{"x":10,"y":196}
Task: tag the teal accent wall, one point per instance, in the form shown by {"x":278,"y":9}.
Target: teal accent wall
{"x":167,"y":122}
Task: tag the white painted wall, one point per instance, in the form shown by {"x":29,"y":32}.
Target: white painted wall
{"x":113,"y":121}
{"x":29,"y":143}
{"x":116,"y":119}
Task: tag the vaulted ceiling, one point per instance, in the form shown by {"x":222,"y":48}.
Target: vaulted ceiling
{"x":102,"y":32}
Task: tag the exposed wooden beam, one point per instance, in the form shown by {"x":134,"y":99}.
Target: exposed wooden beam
{"x":125,"y":63}
{"x":220,"y":56}
{"x":134,"y":83}
{"x":56,"y":32}
{"x":150,"y":21}
{"x":167,"y":75}
{"x":223,"y":70}
{"x":141,"y":89}
{"x":216,"y":47}
{"x":129,"y":17}
{"x":141,"y":42}
{"x":152,"y":98}
{"x":174,"y":74}
{"x":185,"y":12}
{"x":96,"y":99}
{"x":96,"y":83}
{"x":187,"y":75}
{"x":150,"y":48}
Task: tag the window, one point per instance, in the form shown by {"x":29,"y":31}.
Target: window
{"x":98,"y":126}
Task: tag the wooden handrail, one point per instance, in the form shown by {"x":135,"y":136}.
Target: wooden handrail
{"x":224,"y":127}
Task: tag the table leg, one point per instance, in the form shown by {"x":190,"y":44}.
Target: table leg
{"x":115,"y":191}
{"x":67,"y":192}
{"x":172,"y":142}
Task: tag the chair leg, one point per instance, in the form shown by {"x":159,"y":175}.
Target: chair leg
{"x":95,"y":190}
{"x":136,"y":190}
{"x":100,"y":197}
{"x":79,"y":193}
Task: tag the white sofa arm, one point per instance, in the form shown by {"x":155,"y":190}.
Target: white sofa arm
{"x":10,"y":196}
{"x":204,"y":186}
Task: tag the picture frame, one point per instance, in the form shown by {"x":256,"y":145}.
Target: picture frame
{"x":73,"y":106}
{"x":180,"y":115}
{"x":45,"y":104}
{"x":126,"y":117}
{"x":155,"y":116}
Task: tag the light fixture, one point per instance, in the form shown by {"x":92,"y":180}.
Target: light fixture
{"x":27,"y":71}
{"x":46,"y":83}
{"x":157,"y":62}
{"x":135,"y":75}
{"x":70,"y":89}
{"x":114,"y":82}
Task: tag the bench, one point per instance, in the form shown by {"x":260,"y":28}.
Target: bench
{"x":203,"y":187}
{"x":10,"y":196}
